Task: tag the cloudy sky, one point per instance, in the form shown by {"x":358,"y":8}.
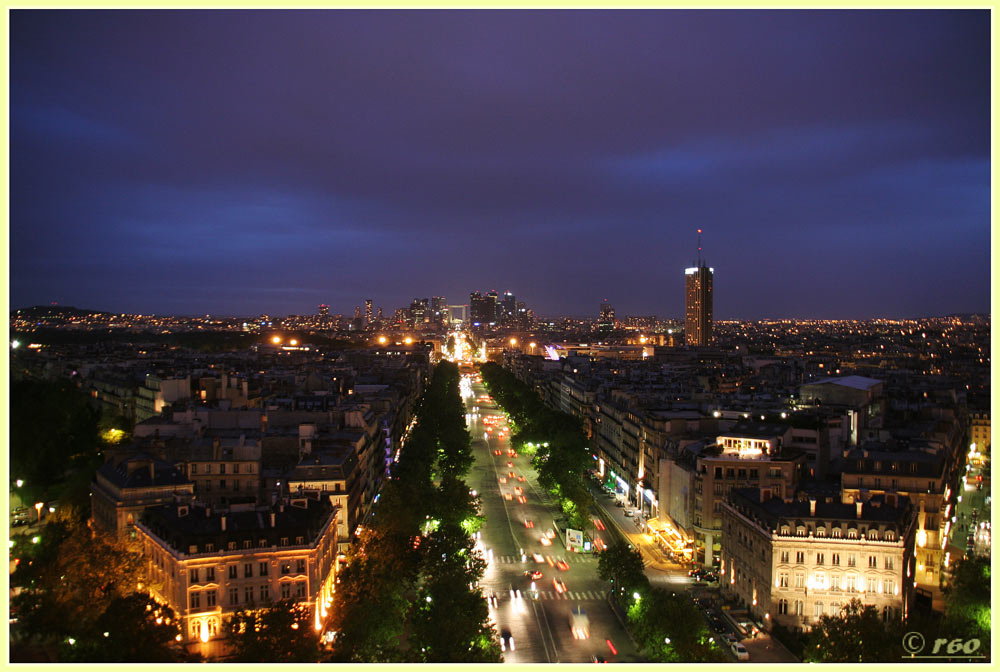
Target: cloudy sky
{"x":240,"y":162}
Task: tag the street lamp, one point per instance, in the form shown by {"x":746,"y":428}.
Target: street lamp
{"x":19,"y":482}
{"x":38,"y":508}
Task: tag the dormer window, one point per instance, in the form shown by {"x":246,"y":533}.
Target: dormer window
{"x":836,"y":532}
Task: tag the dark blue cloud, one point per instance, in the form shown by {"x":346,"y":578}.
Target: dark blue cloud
{"x":245,"y":162}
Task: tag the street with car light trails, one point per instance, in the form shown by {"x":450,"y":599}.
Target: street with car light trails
{"x":540,"y":620}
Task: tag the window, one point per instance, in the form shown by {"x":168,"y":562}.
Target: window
{"x":889,"y":563}
{"x":852,"y":533}
{"x":195,"y":599}
{"x":852,"y":560}
{"x":262,"y":542}
{"x":209,"y":548}
{"x":800,"y":557}
{"x":236,"y":468}
{"x":717,"y":488}
{"x":208,"y":468}
{"x":232,"y":571}
{"x":820,"y":531}
{"x":800,"y":531}
{"x":872,"y":562}
{"x":263,"y":569}
{"x":782,"y":606}
{"x":784,"y":556}
{"x":800,"y":581}
{"x":835,"y":533}
{"x":783,"y":580}
{"x":300,"y":566}
{"x":194,"y":576}
{"x":835,"y":608}
{"x":872,"y":584}
{"x":873,"y":534}
{"x":247,"y":543}
{"x":799,"y":607}
{"x":231,"y":546}
{"x":730,"y":473}
{"x":234,"y":596}
{"x":209,"y":574}
{"x":851,"y":583}
{"x":888,"y":586}
{"x":248,"y":594}
{"x":222,"y":484}
{"x":284,"y":541}
{"x":248,"y":570}
{"x":194,"y":469}
{"x":741,"y":474}
{"x":890,"y":535}
{"x":754,"y":474}
{"x":286,"y":590}
{"x":236,"y":484}
{"x":298,"y":540}
{"x":286,"y":568}
{"x":835,"y":559}
{"x":210,"y":598}
{"x":835,"y":582}
{"x":819,"y":558}
{"x":785,"y":529}
{"x":265,"y":593}
{"x":300,"y":589}
{"x":818,"y":609}
{"x":718,"y":472}
{"x":222,"y":468}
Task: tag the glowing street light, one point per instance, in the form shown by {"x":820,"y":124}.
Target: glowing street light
{"x":38,"y":508}
{"x":407,"y":340}
{"x":382,"y":340}
{"x":19,"y":482}
{"x":276,"y":339}
{"x":513,"y":342}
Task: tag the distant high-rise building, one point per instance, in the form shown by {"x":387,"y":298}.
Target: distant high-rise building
{"x":477,"y":309}
{"x":324,"y":310}
{"x":368,"y":311}
{"x":439,"y":309}
{"x":492,"y":305}
{"x":418,"y":311}
{"x":357,"y":312}
{"x":606,"y":322}
{"x":508,"y":309}
{"x":698,"y":302}
{"x":379,"y":318}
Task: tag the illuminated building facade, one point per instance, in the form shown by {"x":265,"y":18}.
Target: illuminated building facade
{"x":207,"y":564}
{"x":790,"y":562}
{"x":698,"y":305}
{"x":121,"y":491}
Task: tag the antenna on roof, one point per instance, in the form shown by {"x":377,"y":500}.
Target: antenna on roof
{"x":699,"y":248}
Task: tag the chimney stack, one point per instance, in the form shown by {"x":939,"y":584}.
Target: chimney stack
{"x":152,"y":473}
{"x":858,"y":504}
{"x":812,"y":507}
{"x":223,"y":523}
{"x":272,"y":519}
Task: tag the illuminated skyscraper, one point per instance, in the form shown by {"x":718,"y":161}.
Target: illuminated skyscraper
{"x":606,"y":322}
{"x":698,"y":302}
{"x":368,"y":311}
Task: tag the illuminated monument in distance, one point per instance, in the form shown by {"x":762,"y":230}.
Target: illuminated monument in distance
{"x":698,"y":302}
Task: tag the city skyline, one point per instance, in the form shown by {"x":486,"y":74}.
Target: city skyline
{"x":239,"y":163}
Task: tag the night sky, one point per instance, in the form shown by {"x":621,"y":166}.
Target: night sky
{"x":238,"y":163}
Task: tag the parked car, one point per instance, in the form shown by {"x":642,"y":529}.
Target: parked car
{"x":740,"y":651}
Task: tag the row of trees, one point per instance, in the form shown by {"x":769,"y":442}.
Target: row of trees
{"x":667,"y":626}
{"x":416,"y":569}
{"x":561,"y":453}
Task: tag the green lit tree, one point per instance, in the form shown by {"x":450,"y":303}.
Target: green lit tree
{"x":856,"y":635}
{"x":622,"y":565}
{"x":280,"y":633}
{"x":132,"y":629}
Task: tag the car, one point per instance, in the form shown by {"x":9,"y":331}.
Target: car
{"x":599,"y":524}
{"x":558,"y":584}
{"x":506,"y":640}
{"x":529,"y":524}
{"x":510,"y":464}
{"x":562,"y":565}
{"x":599,"y":543}
{"x":515,"y":593}
{"x":502,"y":479}
{"x":740,"y":651}
{"x":730,"y":638}
{"x":545,"y":541}
{"x":522,"y":499}
{"x":548,"y":559}
{"x":518,"y":490}
{"x":493,"y":600}
{"x":538,"y":557}
{"x":512,"y":474}
{"x":628,"y":513}
{"x":508,"y":496}
{"x":521,"y":478}
{"x":512,"y":453}
{"x":533,"y":574}
{"x":619,"y":504}
{"x":18,"y":522}
{"x":496,"y":452}
{"x":550,"y":533}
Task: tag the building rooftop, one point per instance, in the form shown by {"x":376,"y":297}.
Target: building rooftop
{"x":856,"y":382}
{"x":775,"y":511}
{"x":141,"y":471}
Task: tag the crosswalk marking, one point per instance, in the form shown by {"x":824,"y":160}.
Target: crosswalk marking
{"x":515,"y":559}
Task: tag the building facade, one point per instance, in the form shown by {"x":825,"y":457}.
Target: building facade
{"x":790,"y":562}
{"x":206,"y":564}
